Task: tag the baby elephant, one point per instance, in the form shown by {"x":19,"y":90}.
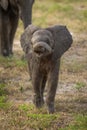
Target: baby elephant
{"x":43,"y":49}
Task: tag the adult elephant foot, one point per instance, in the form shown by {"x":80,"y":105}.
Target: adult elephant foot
{"x":7,"y":53}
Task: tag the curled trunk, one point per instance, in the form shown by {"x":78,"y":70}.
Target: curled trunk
{"x":42,"y":44}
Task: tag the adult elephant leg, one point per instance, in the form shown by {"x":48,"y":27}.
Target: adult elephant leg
{"x":26,"y":12}
{"x":14,"y":23}
{"x":0,"y":30}
{"x":5,"y":34}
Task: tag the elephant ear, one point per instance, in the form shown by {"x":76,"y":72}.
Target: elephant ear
{"x":62,"y":40}
{"x":4,"y":4}
{"x":26,"y":37}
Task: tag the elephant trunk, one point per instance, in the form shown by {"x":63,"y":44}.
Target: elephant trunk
{"x":42,"y":47}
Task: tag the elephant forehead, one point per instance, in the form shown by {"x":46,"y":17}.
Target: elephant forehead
{"x":42,"y":32}
{"x":38,"y":38}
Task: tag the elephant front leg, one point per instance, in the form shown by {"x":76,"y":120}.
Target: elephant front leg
{"x":5,"y":40}
{"x":37,"y":82}
{"x":52,"y":86}
{"x":13,"y":23}
{"x":5,"y":34}
{"x":0,"y":31}
{"x":43,"y":84}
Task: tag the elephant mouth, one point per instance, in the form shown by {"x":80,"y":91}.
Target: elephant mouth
{"x":42,"y":49}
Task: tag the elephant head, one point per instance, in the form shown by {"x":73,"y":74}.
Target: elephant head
{"x":53,"y":40}
{"x":42,"y":42}
{"x":4,"y":4}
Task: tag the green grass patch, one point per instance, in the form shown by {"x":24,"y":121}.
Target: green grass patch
{"x":38,"y":119}
{"x":79,"y":85}
{"x":26,"y":107}
{"x":20,"y":63}
{"x":44,"y":11}
{"x":12,"y":62}
{"x":80,"y":123}
{"x":3,"y":103}
{"x":2,"y":89}
{"x":3,"y":96}
{"x":41,"y":121}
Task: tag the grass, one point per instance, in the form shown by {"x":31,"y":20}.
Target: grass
{"x":80,"y":123}
{"x":70,"y":13}
{"x":3,"y":103}
{"x":27,"y":117}
{"x":2,"y":89}
{"x":12,"y":61}
{"x":79,"y":85}
{"x":3,"y":96}
{"x":60,"y":12}
{"x":76,"y":67}
{"x":41,"y":121}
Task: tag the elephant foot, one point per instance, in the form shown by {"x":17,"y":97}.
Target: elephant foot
{"x":38,"y":101}
{"x":7,"y":53}
{"x":50,"y":107}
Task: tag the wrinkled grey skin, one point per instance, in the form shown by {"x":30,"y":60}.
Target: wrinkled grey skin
{"x":10,"y":10}
{"x":43,"y":49}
